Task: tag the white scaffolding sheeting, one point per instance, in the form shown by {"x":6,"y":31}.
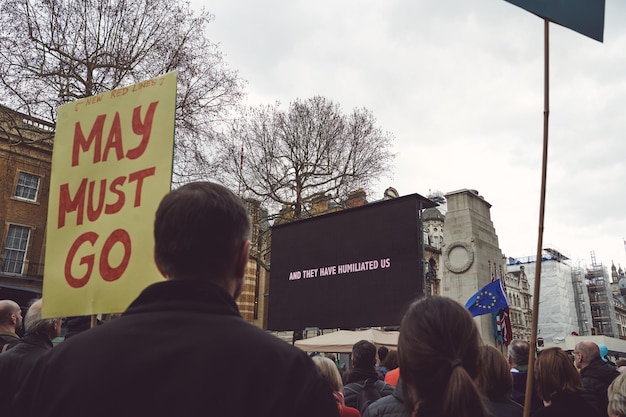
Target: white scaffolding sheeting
{"x":558,"y":316}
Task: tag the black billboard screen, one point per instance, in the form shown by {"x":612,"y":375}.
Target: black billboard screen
{"x":359,"y":267}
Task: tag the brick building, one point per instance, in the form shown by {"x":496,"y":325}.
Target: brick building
{"x":25,"y":164}
{"x":253,"y":296}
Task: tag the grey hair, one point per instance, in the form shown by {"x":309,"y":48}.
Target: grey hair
{"x":34,"y":324}
{"x":519,"y":351}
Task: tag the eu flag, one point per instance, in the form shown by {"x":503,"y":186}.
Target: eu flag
{"x":490,"y":298}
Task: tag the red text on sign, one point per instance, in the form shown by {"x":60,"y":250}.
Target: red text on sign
{"x":92,"y":196}
{"x":107,"y":271}
{"x":114,"y":142}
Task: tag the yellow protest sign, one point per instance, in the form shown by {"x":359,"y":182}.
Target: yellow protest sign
{"x":111,"y":165}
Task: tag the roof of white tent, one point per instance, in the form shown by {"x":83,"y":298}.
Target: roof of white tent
{"x":343,"y":340}
{"x":617,"y":347}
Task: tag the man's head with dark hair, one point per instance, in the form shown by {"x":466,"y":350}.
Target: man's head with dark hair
{"x":382,"y":353}
{"x":364,"y":355}
{"x":518,"y":353}
{"x":201,"y":232}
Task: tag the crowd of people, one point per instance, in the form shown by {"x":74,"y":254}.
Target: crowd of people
{"x":445,"y":371}
{"x":182,"y":348}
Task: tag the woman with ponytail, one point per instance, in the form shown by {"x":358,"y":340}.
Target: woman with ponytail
{"x":439,"y":358}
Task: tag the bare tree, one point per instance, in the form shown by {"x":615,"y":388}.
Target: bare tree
{"x":53,"y":52}
{"x":284,"y":158}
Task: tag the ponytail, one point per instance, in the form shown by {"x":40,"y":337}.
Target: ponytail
{"x":462,"y":397}
{"x":439,"y":357}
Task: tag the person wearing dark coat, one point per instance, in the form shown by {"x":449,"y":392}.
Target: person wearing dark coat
{"x":596,"y":374}
{"x":18,"y":361}
{"x":567,"y":404}
{"x":518,"y":356}
{"x":182,"y":348}
{"x":389,"y":406}
{"x":560,"y":387}
{"x":363,"y":375}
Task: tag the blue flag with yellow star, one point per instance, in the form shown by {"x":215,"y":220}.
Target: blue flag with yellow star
{"x":488,"y":299}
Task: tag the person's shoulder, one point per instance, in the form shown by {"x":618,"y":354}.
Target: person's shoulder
{"x":392,"y":376}
{"x":609,"y":370}
{"x":504,"y":407}
{"x":572,"y":404}
{"x":384,"y":387}
{"x":264,"y":340}
{"x":386,"y":406}
{"x":345,"y":411}
{"x":599,"y":371}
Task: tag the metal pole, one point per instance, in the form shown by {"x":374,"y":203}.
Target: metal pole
{"x":542,"y":206}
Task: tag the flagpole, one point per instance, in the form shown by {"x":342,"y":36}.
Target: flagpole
{"x":542,"y":206}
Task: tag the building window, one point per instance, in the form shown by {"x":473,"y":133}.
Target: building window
{"x":27,"y":186}
{"x":15,"y":247}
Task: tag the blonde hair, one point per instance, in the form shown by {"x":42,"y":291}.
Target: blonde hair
{"x":617,"y":396}
{"x":329,"y":372}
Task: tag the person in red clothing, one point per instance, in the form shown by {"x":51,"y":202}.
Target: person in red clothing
{"x":331,"y":374}
{"x":392,"y":377}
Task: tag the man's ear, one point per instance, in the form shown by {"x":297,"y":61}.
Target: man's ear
{"x":242,"y":259}
{"x":156,"y":262}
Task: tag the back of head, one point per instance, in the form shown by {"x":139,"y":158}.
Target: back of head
{"x":519,"y":351}
{"x":8,"y":308}
{"x":439,"y":357}
{"x":617,"y":397}
{"x":495,"y":378}
{"x":198,"y":231}
{"x":382,"y":353}
{"x":555,"y":373}
{"x":329,"y":371}
{"x":391,"y":361}
{"x":364,"y":354}
{"x":35,"y":325}
{"x":589,"y":350}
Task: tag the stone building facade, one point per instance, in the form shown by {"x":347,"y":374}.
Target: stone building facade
{"x":433,"y":225}
{"x":519,"y":295}
{"x":618,"y":288}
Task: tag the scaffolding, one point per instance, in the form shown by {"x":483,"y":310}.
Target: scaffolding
{"x":581,"y":299}
{"x":600,"y":298}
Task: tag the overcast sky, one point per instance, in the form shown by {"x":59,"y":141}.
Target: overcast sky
{"x":459,"y":83}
